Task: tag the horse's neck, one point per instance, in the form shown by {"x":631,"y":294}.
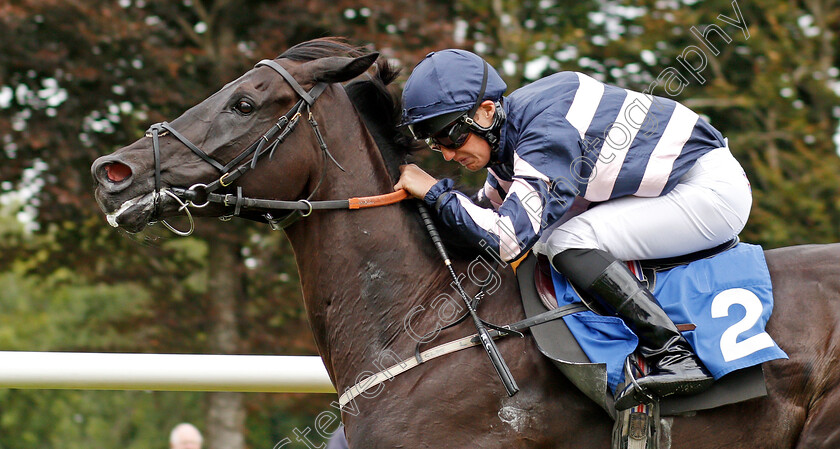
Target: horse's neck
{"x":363,"y":272}
{"x":361,"y":277}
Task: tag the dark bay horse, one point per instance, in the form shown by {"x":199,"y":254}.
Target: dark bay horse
{"x":371,"y":278}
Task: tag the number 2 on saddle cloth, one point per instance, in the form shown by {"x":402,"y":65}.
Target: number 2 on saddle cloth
{"x":728,"y":297}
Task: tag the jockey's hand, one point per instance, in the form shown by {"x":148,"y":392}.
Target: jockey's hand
{"x":416,"y":181}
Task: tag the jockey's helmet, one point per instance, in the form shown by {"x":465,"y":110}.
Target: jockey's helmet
{"x":445,"y":86}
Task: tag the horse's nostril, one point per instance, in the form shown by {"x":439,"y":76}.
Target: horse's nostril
{"x":117,"y":171}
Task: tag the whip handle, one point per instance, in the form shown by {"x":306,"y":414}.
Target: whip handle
{"x":486,"y":341}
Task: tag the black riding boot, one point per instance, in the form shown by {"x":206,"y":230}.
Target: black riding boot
{"x":675,"y":369}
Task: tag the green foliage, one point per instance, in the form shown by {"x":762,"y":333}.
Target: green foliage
{"x":62,"y":312}
{"x":80,"y":79}
{"x":33,"y":419}
{"x":773,"y":90}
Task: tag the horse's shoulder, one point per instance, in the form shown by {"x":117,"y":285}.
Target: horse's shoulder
{"x":805,"y":272}
{"x":803,"y":256}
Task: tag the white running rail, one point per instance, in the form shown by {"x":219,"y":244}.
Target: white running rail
{"x":163,"y":372}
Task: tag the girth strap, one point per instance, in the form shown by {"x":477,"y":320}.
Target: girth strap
{"x":544,"y":317}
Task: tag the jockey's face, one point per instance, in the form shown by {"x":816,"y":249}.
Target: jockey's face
{"x":475,"y":153}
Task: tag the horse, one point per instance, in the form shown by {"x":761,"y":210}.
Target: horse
{"x":372,"y":281}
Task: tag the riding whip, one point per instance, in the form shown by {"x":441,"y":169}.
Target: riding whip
{"x":486,"y":341}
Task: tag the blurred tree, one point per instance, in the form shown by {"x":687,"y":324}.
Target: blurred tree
{"x":79,"y":79}
{"x":773,"y":88}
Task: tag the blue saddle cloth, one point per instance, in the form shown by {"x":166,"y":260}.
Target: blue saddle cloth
{"x":728,"y":297}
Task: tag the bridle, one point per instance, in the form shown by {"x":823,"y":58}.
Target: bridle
{"x":200,"y":195}
{"x":204,"y":193}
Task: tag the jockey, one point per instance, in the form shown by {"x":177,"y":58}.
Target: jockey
{"x":588,"y":174}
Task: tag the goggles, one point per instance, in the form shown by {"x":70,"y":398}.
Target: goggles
{"x":453,"y":135}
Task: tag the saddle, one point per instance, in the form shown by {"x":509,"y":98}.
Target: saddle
{"x":555,"y":341}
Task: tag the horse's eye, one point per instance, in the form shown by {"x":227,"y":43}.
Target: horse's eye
{"x":244,"y":107}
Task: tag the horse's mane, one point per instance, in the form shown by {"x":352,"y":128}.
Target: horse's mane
{"x":381,"y":111}
{"x":322,"y":48}
{"x":379,"y":107}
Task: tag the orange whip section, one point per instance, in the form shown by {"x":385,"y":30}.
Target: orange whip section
{"x":378,"y":200}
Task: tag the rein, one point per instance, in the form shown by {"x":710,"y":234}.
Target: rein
{"x":304,"y":207}
{"x":200,"y":195}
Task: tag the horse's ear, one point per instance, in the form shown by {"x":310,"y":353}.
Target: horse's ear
{"x":336,"y":69}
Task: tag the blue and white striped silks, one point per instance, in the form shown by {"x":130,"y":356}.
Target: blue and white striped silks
{"x":566,"y":136}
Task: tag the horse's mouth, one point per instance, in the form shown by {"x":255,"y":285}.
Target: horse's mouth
{"x":134,"y":214}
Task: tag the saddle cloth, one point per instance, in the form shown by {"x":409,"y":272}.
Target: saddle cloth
{"x":728,"y":297}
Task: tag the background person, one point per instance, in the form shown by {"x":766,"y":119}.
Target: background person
{"x":185,"y":436}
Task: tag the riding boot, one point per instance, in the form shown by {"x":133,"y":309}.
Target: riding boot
{"x":675,"y":369}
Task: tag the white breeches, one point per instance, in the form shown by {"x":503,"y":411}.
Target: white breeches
{"x":708,"y":207}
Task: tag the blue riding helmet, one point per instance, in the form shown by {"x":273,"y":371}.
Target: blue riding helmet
{"x":446,"y":84}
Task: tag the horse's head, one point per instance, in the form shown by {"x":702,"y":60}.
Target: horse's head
{"x":213,"y":143}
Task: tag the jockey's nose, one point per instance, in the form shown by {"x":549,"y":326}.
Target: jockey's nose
{"x":447,"y":154}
